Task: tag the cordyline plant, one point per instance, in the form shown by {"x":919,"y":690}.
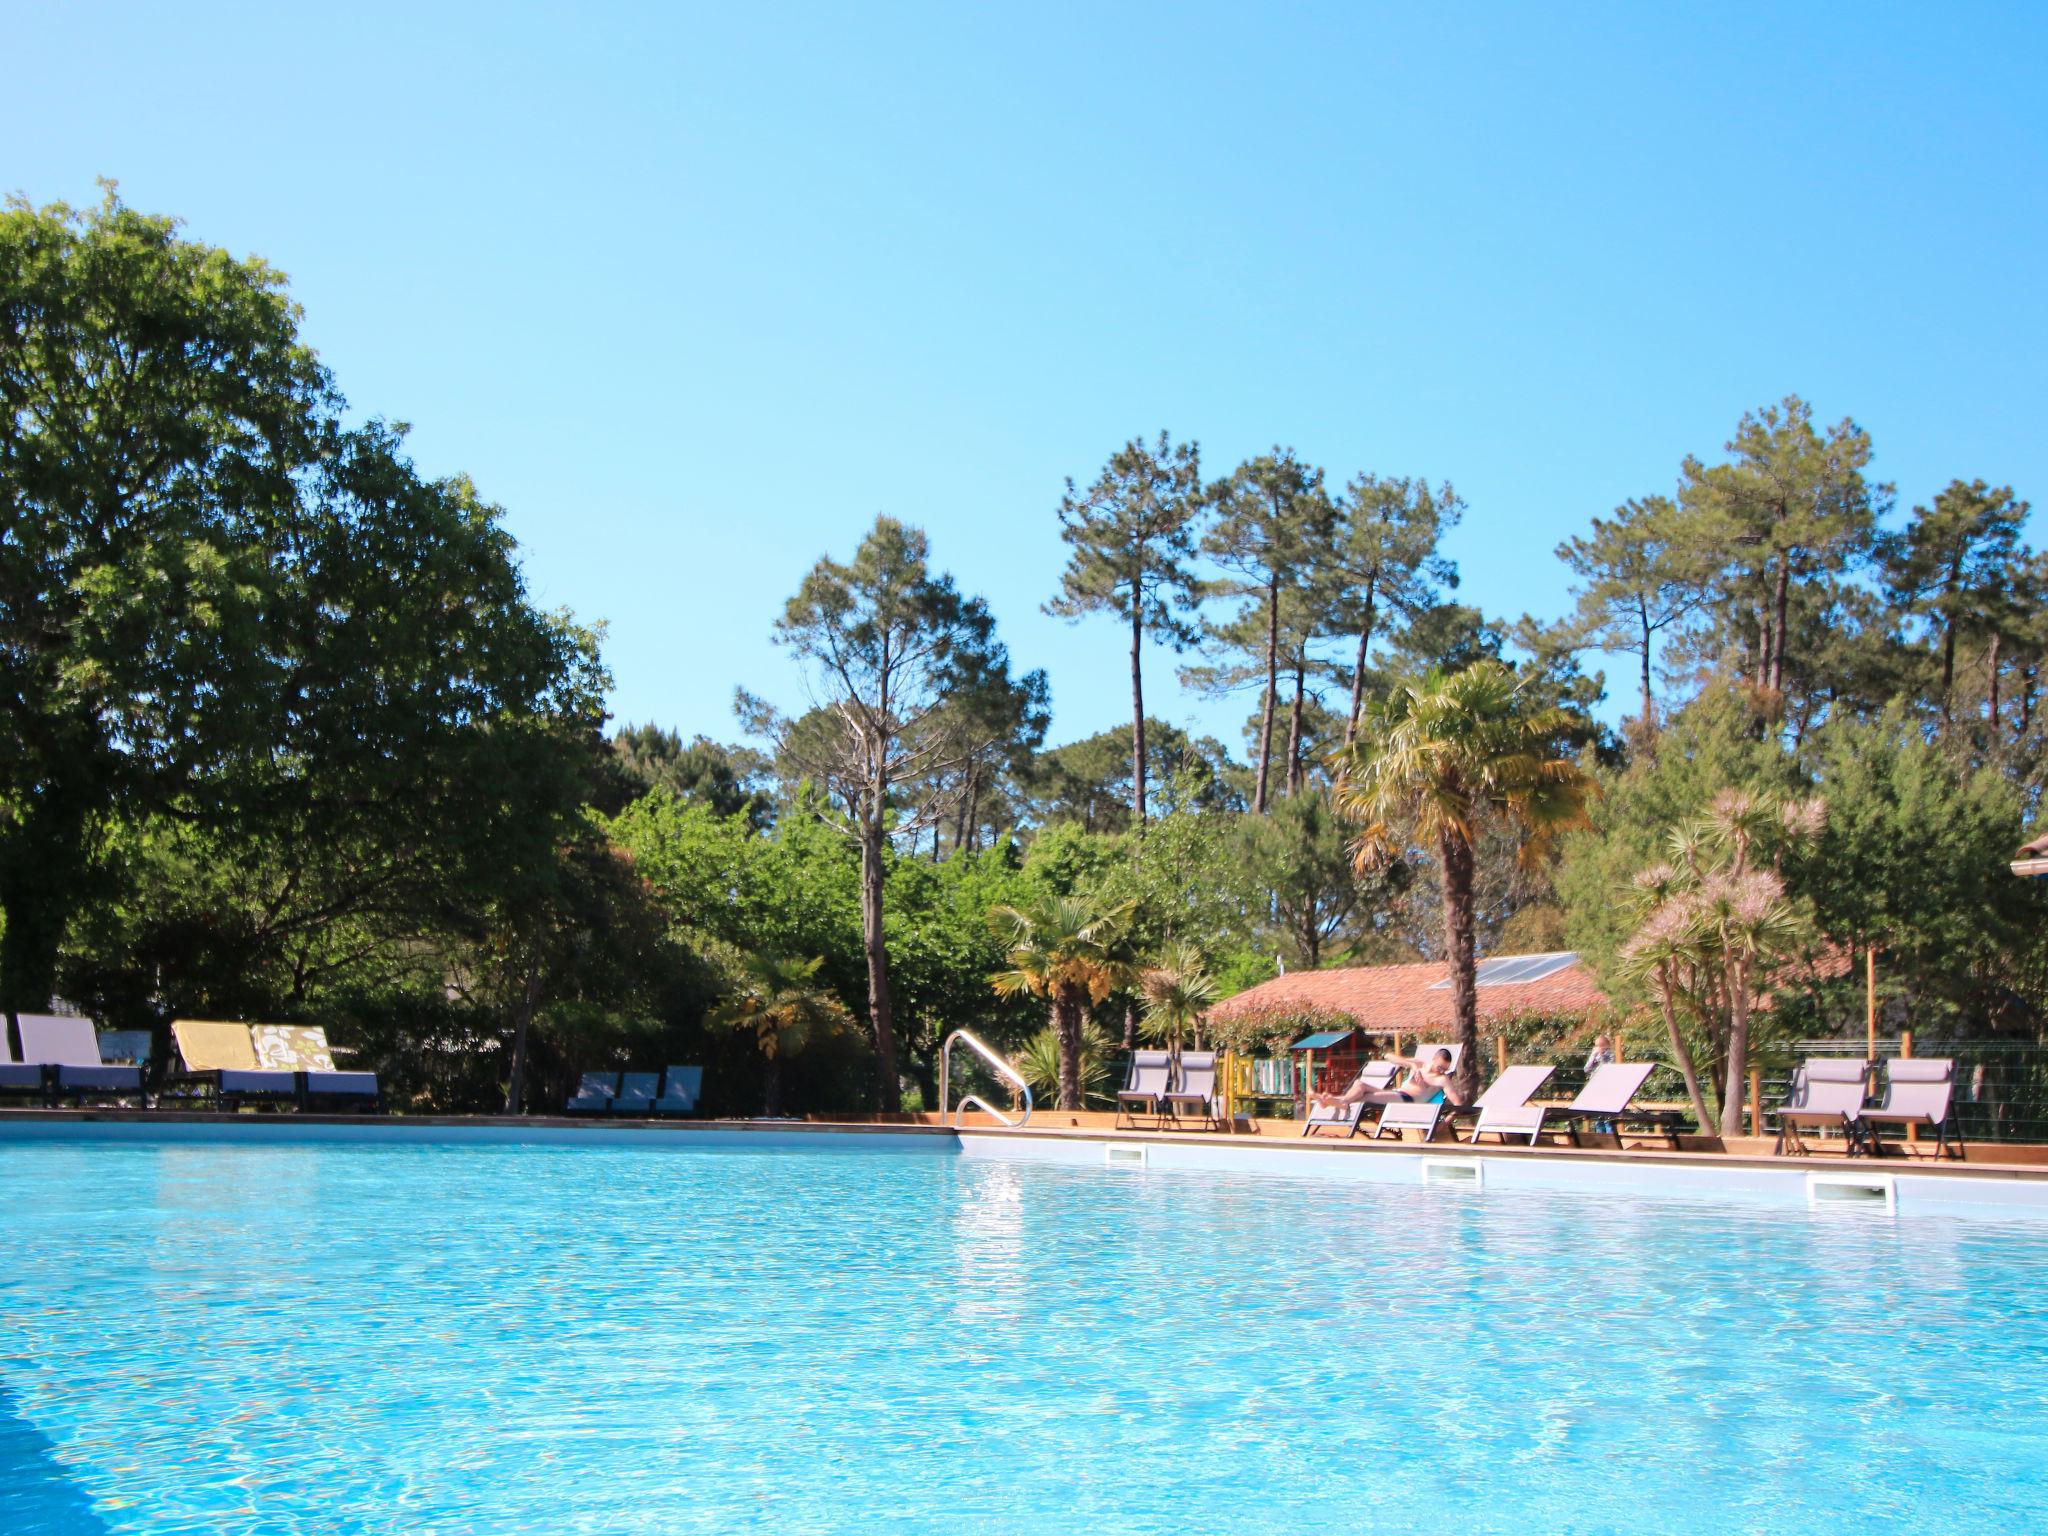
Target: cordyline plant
{"x":1711,"y":924}
{"x":1070,"y":952}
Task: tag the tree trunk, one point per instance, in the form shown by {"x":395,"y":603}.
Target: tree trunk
{"x":1137,"y":714}
{"x":1649,"y":705}
{"x":529,"y":1001}
{"x":1066,"y":1021}
{"x":1992,"y":658}
{"x":1778,"y":627}
{"x":771,"y":1086}
{"x":1948,"y":670}
{"x":1679,"y":1051}
{"x":1272,"y":692}
{"x":888,"y":1091}
{"x":1358,"y":667}
{"x":1294,"y":729}
{"x":1457,"y":858}
{"x":1130,"y":1026}
{"x":1737,"y":1076}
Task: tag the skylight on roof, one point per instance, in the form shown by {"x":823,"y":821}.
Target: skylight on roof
{"x":1513,"y":970}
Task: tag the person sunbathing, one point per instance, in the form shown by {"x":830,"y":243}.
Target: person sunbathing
{"x":1426,"y":1080}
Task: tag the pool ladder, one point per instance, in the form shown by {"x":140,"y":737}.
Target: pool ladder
{"x":982,"y":1049}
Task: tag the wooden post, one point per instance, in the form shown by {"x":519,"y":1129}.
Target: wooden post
{"x":1500,"y":1054}
{"x":1756,"y":1101}
{"x":1906,"y":1052}
{"x":1870,"y":1003}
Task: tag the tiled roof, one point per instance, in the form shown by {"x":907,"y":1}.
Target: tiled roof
{"x":1408,"y":997}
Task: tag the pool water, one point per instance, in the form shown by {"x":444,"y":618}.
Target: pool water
{"x":463,"y":1337}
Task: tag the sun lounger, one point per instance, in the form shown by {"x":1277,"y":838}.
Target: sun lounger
{"x":18,"y":1077}
{"x":223,"y":1056}
{"x":1144,"y":1089}
{"x":637,"y":1092}
{"x":1918,"y":1092}
{"x":337,"y":1089}
{"x":1378,"y":1075}
{"x":1608,"y":1096}
{"x":1504,"y":1107}
{"x":679,"y":1091}
{"x":1826,"y":1094}
{"x":70,"y":1050}
{"x":1194,"y":1093}
{"x":303,"y":1049}
{"x":594,"y":1094}
{"x":1409,"y":1115}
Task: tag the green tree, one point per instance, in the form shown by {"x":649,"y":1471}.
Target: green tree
{"x":1131,"y":539}
{"x":885,"y":641}
{"x":1791,"y":512}
{"x":157,"y":408}
{"x":776,"y":1003}
{"x":1068,"y":951}
{"x":721,"y":777}
{"x":1384,"y":562}
{"x":1087,"y":781}
{"x":1272,"y":514}
{"x":1300,"y":853}
{"x":1440,"y":759}
{"x":1957,"y":567}
{"x":1639,"y":575}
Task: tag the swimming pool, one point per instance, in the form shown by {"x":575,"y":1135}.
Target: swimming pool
{"x":462,"y":1335}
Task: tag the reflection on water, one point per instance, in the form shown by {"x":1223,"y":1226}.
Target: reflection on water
{"x":345,"y":1339}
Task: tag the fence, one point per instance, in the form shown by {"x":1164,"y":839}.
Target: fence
{"x":2001,"y":1085}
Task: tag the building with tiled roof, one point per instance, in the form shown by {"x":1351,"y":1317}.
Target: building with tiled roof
{"x":1405,"y":999}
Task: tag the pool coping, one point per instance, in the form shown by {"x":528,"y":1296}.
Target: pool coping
{"x":1632,"y":1157}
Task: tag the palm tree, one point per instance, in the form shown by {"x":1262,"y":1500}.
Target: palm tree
{"x":1711,"y":925}
{"x":1178,"y":992}
{"x":778,"y":1001}
{"x":1064,"y":949}
{"x":1442,"y":757}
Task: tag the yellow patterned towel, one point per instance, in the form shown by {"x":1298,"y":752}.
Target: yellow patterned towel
{"x":209,"y":1047}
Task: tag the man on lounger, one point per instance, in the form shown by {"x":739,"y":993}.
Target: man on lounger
{"x":1427,"y":1080}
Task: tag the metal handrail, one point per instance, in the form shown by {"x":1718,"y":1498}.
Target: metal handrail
{"x":975,"y":1100}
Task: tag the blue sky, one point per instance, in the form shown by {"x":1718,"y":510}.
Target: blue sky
{"x":696,"y":292}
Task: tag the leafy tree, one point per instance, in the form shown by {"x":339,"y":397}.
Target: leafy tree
{"x":776,"y":1003}
{"x":1790,"y":512}
{"x":725,"y":779}
{"x":1956,"y":568}
{"x":1300,"y":852}
{"x":1444,"y":757}
{"x":1132,"y":538}
{"x":1271,"y":514}
{"x":1639,"y":575}
{"x":1384,"y":562}
{"x":1912,"y":862}
{"x":886,"y":641}
{"x":157,"y":407}
{"x":1068,"y":951}
{"x":1086,"y":781}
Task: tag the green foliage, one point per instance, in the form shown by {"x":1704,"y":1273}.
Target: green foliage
{"x":1913,"y":862}
{"x":1040,"y":1065}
